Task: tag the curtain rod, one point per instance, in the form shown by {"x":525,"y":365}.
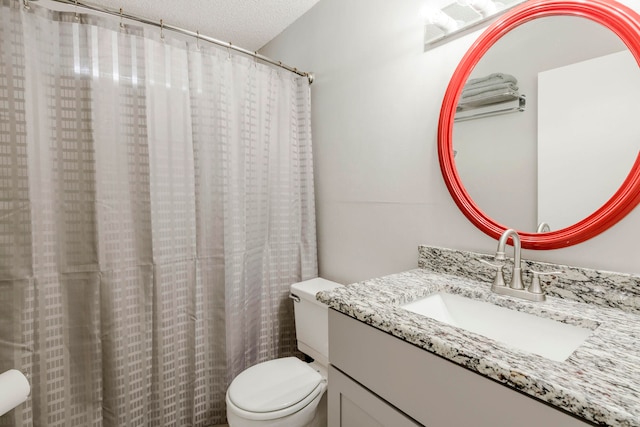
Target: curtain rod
{"x":196,"y":35}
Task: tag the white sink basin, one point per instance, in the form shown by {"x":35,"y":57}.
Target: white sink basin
{"x":545,"y":337}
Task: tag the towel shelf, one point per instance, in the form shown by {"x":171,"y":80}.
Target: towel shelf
{"x":518,"y":104}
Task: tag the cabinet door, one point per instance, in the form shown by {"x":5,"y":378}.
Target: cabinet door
{"x":351,"y":405}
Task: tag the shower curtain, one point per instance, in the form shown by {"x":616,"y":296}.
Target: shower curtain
{"x":156,"y":202}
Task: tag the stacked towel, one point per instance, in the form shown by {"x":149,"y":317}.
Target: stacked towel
{"x":490,"y":89}
{"x":491,"y":79}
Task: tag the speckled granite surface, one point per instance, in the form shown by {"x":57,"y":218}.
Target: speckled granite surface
{"x":599,"y":382}
{"x":602,"y":288}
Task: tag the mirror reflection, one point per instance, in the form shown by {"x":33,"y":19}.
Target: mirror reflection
{"x":570,"y":150}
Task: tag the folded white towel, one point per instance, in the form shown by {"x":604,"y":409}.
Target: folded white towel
{"x":478,"y":90}
{"x":490,"y":79}
{"x":486,"y":98}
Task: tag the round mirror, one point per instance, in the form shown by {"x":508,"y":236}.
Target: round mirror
{"x":570,"y":159}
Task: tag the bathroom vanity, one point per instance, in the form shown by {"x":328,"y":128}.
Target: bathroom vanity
{"x":377,"y":380}
{"x":391,"y":366}
{"x":394,"y":367}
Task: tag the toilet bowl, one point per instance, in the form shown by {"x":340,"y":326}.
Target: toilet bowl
{"x":278,"y":393}
{"x":288,"y":392}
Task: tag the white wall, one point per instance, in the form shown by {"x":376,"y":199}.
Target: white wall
{"x":375,"y":107}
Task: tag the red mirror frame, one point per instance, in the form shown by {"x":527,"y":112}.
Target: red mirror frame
{"x":620,"y":19}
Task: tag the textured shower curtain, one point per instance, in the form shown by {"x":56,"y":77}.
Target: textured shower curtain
{"x":156,"y":201}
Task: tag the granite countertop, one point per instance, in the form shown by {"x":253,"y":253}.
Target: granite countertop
{"x":599,"y":382}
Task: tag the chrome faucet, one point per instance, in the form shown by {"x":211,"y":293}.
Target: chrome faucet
{"x":516,"y":277}
{"x":515,"y":288}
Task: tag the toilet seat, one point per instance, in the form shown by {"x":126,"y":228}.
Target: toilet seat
{"x":274,"y":389}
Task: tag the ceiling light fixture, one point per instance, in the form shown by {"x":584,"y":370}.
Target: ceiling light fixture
{"x":441,"y":20}
{"x":483,"y":7}
{"x":459,"y":17}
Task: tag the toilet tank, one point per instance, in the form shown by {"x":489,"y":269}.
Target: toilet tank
{"x":312,"y":318}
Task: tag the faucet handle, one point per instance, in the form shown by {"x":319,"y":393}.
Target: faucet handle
{"x":498,"y":281}
{"x":535,"y":287}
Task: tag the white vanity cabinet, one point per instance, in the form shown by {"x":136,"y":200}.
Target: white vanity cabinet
{"x":376,"y":379}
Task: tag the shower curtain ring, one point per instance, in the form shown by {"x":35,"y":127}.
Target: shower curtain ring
{"x":255,"y":58}
{"x":161,"y":30}
{"x":75,"y":11}
{"x":229,"y":52}
{"x":26,"y":4}
{"x":197,"y":40}
{"x":121,"y":23}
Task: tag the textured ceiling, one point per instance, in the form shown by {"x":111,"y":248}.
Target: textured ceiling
{"x":249,"y":24}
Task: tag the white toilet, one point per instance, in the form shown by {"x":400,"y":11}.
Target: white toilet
{"x":288,"y":392}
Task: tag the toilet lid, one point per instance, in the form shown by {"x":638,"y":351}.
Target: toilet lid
{"x":273,"y":385}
